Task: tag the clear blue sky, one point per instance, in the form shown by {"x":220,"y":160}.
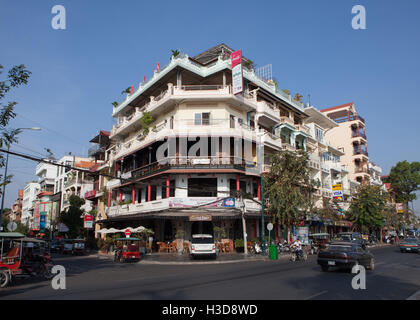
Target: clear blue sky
{"x":109,"y":46}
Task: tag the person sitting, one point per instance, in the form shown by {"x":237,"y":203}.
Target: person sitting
{"x":297,"y":246}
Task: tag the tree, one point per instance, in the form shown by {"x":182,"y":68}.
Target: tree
{"x":175,"y":53}
{"x":16,"y":77}
{"x":405,"y":181}
{"x":73,"y":217}
{"x":288,"y":187}
{"x":21,"y":228}
{"x":366,"y":208}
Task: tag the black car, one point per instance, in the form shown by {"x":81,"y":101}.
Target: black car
{"x":354,"y":237}
{"x":345,"y":255}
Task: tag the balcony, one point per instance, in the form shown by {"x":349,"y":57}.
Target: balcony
{"x":358,"y":135}
{"x":269,"y":110}
{"x":179,"y":93}
{"x":287,"y":120}
{"x":361,"y":170}
{"x":349,"y":118}
{"x":360,"y":152}
{"x":303,"y":128}
{"x":95,"y":149}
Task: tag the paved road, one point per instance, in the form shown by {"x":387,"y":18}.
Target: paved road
{"x":397,"y":276}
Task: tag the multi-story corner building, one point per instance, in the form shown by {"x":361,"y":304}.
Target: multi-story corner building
{"x":350,"y":137}
{"x":209,"y":139}
{"x":28,"y":203}
{"x":70,"y":181}
{"x":325,"y":159}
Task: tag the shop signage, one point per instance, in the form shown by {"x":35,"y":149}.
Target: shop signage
{"x":126,"y":175}
{"x":42,"y":221}
{"x":400,"y":207}
{"x":200,"y":217}
{"x":337,"y":187}
{"x":88,"y":221}
{"x":343,"y":223}
{"x":90,"y":194}
{"x":237,"y":78}
{"x":193,"y":202}
{"x":201,"y":161}
{"x":229,"y":203}
{"x":127,"y":233}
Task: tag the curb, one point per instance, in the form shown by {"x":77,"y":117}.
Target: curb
{"x":415,"y":296}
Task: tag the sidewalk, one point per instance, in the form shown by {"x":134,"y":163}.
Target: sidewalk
{"x":184,"y":259}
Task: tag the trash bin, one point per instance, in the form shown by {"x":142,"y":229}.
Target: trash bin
{"x":273,"y":252}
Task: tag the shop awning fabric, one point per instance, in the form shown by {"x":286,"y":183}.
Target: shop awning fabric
{"x":113,"y":230}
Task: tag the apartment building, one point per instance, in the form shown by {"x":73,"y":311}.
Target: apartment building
{"x":182,"y":171}
{"x":69,"y":181}
{"x":46,"y":173}
{"x":15,"y":213}
{"x":325,"y":162}
{"x":28,"y":203}
{"x":350,"y":137}
{"x":375,"y":173}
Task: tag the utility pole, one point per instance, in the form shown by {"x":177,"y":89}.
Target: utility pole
{"x":244,"y":225}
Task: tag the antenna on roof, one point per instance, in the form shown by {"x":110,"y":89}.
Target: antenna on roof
{"x":265,"y":73}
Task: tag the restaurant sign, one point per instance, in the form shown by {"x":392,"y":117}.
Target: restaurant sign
{"x":237,"y":77}
{"x":90,"y":194}
{"x":200,"y":217}
{"x":211,"y":202}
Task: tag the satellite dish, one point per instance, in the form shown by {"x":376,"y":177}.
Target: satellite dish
{"x":11,"y":226}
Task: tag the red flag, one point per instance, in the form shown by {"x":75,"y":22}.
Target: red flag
{"x":144,"y":79}
{"x":157,"y":67}
{"x":132,"y":89}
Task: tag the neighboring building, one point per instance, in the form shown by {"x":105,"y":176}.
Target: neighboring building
{"x":325,"y":159}
{"x":16,"y":211}
{"x":194,"y":97}
{"x":350,"y":137}
{"x":46,"y":175}
{"x":375,"y":172}
{"x":100,"y":143}
{"x":70,"y":181}
{"x":28,"y":203}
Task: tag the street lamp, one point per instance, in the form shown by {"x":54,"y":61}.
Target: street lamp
{"x":260,"y":163}
{"x":5,"y":174}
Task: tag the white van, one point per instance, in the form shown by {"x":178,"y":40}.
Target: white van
{"x":203,"y":245}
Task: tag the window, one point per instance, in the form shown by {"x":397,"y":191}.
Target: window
{"x":319,"y":134}
{"x":202,"y":187}
{"x":202,"y":119}
{"x":232,"y":121}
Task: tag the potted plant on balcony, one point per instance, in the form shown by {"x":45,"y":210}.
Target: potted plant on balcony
{"x":126,"y":91}
{"x":145,"y":122}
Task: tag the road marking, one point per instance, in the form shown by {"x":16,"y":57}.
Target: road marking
{"x":316,"y":295}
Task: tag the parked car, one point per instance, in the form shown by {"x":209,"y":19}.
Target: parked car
{"x":55,"y":246}
{"x":67,"y":246}
{"x":345,"y":254}
{"x":203,"y":245}
{"x":354,"y":237}
{"x":410,"y":245}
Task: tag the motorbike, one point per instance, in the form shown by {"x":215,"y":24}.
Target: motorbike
{"x":256,"y":248}
{"x":283,"y":247}
{"x":298,"y":255}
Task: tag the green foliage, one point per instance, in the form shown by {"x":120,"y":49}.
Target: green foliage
{"x":175,"y":53}
{"x":405,"y":181}
{"x":21,"y":228}
{"x":288,"y":187}
{"x":145,"y":122}
{"x":73,"y":217}
{"x":126,"y":90}
{"x":286,"y":91}
{"x":367,"y":206}
{"x":220,"y":232}
{"x":249,"y":64}
{"x":239,"y":243}
{"x":115,"y":104}
{"x":104,"y":197}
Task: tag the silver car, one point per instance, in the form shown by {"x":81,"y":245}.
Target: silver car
{"x":203,"y":245}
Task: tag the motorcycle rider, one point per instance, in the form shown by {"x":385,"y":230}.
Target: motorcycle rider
{"x":297,"y":245}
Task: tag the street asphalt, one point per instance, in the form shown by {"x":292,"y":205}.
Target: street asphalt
{"x":396,"y":277}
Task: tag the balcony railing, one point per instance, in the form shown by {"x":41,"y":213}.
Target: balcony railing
{"x":358,"y":135}
{"x":349,"y":118}
{"x":361,"y":170}
{"x":357,"y":152}
{"x":95,"y":149}
{"x":181,"y":162}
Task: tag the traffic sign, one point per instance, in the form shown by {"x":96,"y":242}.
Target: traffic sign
{"x":127,"y":233}
{"x":270,"y":226}
{"x":11,"y":226}
{"x":88,"y":221}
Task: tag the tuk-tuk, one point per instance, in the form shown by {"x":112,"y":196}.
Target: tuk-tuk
{"x":23,"y":257}
{"x":319,"y":241}
{"x":67,"y":246}
{"x":78,"y":246}
{"x":127,"y":249}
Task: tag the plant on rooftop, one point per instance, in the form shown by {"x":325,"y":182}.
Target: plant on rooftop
{"x":175,"y":53}
{"x":115,"y":104}
{"x":145,"y":122}
{"x":298,"y":97}
{"x":126,"y":90}
{"x":249,"y":64}
{"x":286,"y":91}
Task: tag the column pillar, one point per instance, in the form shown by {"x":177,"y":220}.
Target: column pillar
{"x":133,"y":194}
{"x":259,"y":189}
{"x":120,"y":195}
{"x":167,"y":187}
{"x":109,"y":198}
{"x":238,"y":185}
{"x":149,"y":192}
